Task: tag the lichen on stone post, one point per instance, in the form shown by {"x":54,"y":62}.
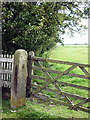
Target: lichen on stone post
{"x":19,"y":78}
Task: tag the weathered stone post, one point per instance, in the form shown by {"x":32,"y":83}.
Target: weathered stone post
{"x":18,"y":83}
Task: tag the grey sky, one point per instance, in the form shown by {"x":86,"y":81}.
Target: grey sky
{"x":77,"y":37}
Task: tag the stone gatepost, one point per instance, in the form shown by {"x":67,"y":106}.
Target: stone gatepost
{"x":19,"y":78}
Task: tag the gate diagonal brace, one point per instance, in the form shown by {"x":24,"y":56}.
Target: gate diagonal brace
{"x":84,"y":70}
{"x":55,"y":79}
{"x":75,"y":107}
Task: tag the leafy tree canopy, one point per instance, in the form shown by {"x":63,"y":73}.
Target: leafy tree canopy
{"x":37,"y":27}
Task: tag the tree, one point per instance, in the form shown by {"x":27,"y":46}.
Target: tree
{"x":37,"y":26}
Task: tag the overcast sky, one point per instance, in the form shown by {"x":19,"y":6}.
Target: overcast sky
{"x":77,"y":37}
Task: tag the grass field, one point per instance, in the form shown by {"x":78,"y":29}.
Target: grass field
{"x":71,"y":53}
{"x":38,"y":109}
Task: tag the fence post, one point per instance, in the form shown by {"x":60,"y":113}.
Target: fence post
{"x":30,"y":73}
{"x":18,"y":82}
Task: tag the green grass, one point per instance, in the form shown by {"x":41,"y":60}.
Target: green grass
{"x":71,"y":53}
{"x":77,"y":53}
{"x":37,"y":109}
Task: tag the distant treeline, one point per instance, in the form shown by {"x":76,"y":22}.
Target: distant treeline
{"x":78,"y":44}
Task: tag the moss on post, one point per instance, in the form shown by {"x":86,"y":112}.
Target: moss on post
{"x":18,"y":83}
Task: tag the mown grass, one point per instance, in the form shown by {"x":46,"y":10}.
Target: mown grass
{"x":38,"y":109}
{"x":71,"y":53}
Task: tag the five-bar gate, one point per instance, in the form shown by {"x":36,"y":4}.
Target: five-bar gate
{"x":40,"y":89}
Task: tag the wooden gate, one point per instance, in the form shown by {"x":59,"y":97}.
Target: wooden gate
{"x":39,"y":89}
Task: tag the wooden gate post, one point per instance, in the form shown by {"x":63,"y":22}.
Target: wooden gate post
{"x":30,"y":73}
{"x":18,"y":83}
